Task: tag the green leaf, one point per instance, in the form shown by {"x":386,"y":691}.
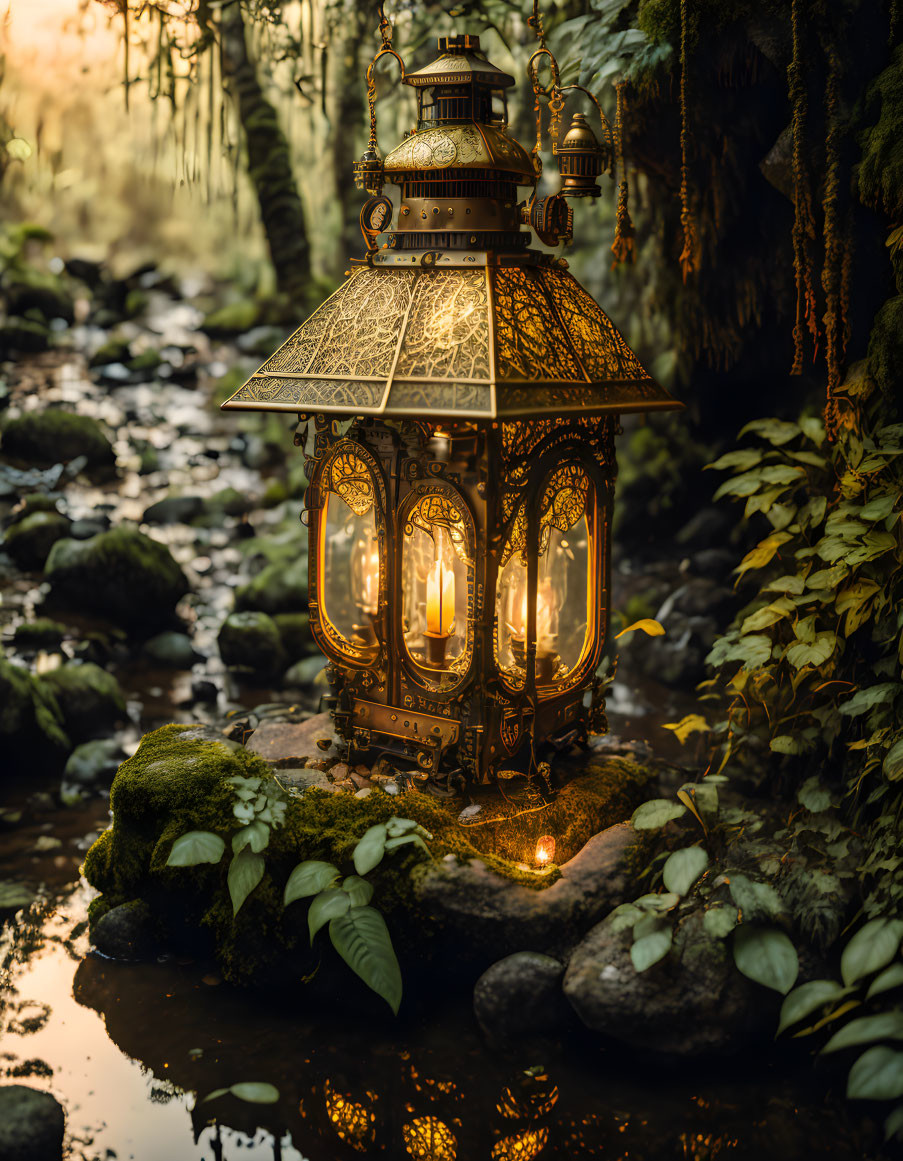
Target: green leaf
{"x":786,"y":584}
{"x":891,"y":977}
{"x":873,"y":695}
{"x":655,"y":813}
{"x":767,"y":956}
{"x":813,"y":429}
{"x":683,"y":868}
{"x":197,"y":846}
{"x":880,"y":507}
{"x":755,"y":900}
{"x":762,"y":618}
{"x":397,"y":826}
{"x":719,"y":921}
{"x":658,"y":903}
{"x":866,"y":1029}
{"x":256,"y":1092}
{"x":776,"y":431}
{"x":359,"y":891}
{"x":403,"y":839}
{"x":893,"y":762}
{"x":806,"y":999}
{"x":816,"y":653}
{"x":813,"y":795}
{"x":744,"y":459}
{"x":245,"y":872}
{"x":893,"y":1126}
{"x":876,"y":1076}
{"x":309,"y":878}
{"x":625,"y":916}
{"x":256,"y":835}
{"x":871,"y":948}
{"x":369,"y":851}
{"x":329,"y":904}
{"x":787,"y":744}
{"x":361,"y":938}
{"x":651,"y":948}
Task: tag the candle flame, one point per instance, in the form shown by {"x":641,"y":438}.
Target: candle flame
{"x":545,"y":850}
{"x":440,"y":600}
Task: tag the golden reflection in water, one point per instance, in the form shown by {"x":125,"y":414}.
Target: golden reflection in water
{"x":354,"y":1123}
{"x":533,"y":1096}
{"x":429,"y":1139}
{"x":522,"y":1146}
{"x":706,"y":1146}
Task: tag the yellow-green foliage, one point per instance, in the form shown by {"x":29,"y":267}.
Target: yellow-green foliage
{"x":176,"y":783}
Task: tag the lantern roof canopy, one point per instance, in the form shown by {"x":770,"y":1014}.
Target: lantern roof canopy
{"x":456,"y":336}
{"x":460,"y":60}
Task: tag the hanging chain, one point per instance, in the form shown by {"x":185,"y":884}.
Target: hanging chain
{"x":385,"y":32}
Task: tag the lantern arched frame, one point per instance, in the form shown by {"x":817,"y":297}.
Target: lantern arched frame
{"x":330,"y":477}
{"x":531,"y":514}
{"x":448,"y":683}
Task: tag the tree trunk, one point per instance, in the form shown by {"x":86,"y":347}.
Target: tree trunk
{"x":269,"y":161}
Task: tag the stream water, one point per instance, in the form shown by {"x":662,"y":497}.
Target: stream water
{"x":133,"y":1050}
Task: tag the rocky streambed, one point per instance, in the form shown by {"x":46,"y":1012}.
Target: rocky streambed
{"x":154,"y":570}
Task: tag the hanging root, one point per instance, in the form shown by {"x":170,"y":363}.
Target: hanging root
{"x":623,"y":245}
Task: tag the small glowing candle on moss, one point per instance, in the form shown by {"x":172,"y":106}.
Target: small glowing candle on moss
{"x":440,"y":600}
{"x":545,"y":850}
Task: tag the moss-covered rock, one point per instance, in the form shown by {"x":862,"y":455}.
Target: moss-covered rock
{"x":41,"y":633}
{"x":177,"y":782}
{"x":251,"y":641}
{"x":885,"y":354}
{"x":295,"y":634}
{"x":30,"y":540}
{"x":89,"y":698}
{"x":277,"y":588}
{"x":881,"y":167}
{"x":32,"y":736}
{"x":53,"y":435}
{"x":121,"y":574}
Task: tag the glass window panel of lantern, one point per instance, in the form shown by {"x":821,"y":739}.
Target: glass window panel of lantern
{"x":349,"y":573}
{"x":564,"y":586}
{"x":435,"y":578}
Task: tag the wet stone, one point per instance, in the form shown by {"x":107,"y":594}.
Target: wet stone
{"x":93,"y":762}
{"x":14,"y":897}
{"x":172,"y":650}
{"x":293,"y":743}
{"x":125,"y":932}
{"x":519,"y":999}
{"x":31,"y":1124}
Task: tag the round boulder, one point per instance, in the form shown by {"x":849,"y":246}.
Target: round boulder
{"x":121,"y":574}
{"x":30,"y":540}
{"x":89,"y":698}
{"x":53,"y":435}
{"x":125,"y":932}
{"x":31,"y":1124}
{"x":519,"y":998}
{"x":251,"y":641}
{"x":692,"y":1003}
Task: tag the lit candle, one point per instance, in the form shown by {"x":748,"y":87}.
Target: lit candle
{"x":440,"y":600}
{"x":545,"y":850}
{"x":367,"y":580}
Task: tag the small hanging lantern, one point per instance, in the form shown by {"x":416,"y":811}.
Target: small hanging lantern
{"x":458,"y":399}
{"x":581,"y":160}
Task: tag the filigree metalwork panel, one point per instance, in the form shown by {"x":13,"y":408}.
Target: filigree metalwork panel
{"x":454,"y":398}
{"x":447,"y":333}
{"x":644,"y":395}
{"x":440,"y":148}
{"x":312,"y":394}
{"x":530,"y":343}
{"x":361,"y":334}
{"x":438,"y":511}
{"x":598,"y":343}
{"x":563,"y":502}
{"x":349,"y":476}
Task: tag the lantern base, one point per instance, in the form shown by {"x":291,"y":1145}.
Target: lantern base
{"x":547,"y":661}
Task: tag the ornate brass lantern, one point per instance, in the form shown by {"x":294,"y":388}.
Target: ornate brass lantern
{"x":458,"y":398}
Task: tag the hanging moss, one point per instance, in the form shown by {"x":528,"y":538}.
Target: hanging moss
{"x":881,"y":167}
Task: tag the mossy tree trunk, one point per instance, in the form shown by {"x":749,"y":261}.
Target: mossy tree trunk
{"x":269,"y":160}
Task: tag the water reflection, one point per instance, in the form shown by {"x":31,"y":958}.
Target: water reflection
{"x":132,"y":1049}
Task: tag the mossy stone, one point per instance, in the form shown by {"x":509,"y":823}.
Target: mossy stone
{"x":32,"y":736}
{"x":112,"y":351}
{"x":885,"y":353}
{"x":172,"y":650}
{"x":252,"y":641}
{"x":294,"y":633}
{"x":121,"y":574}
{"x":232,"y":319}
{"x":41,"y":633}
{"x":880,"y":174}
{"x":53,"y":435}
{"x":277,"y":588}
{"x":89,"y":698}
{"x":176,"y":782}
{"x":30,"y":540}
